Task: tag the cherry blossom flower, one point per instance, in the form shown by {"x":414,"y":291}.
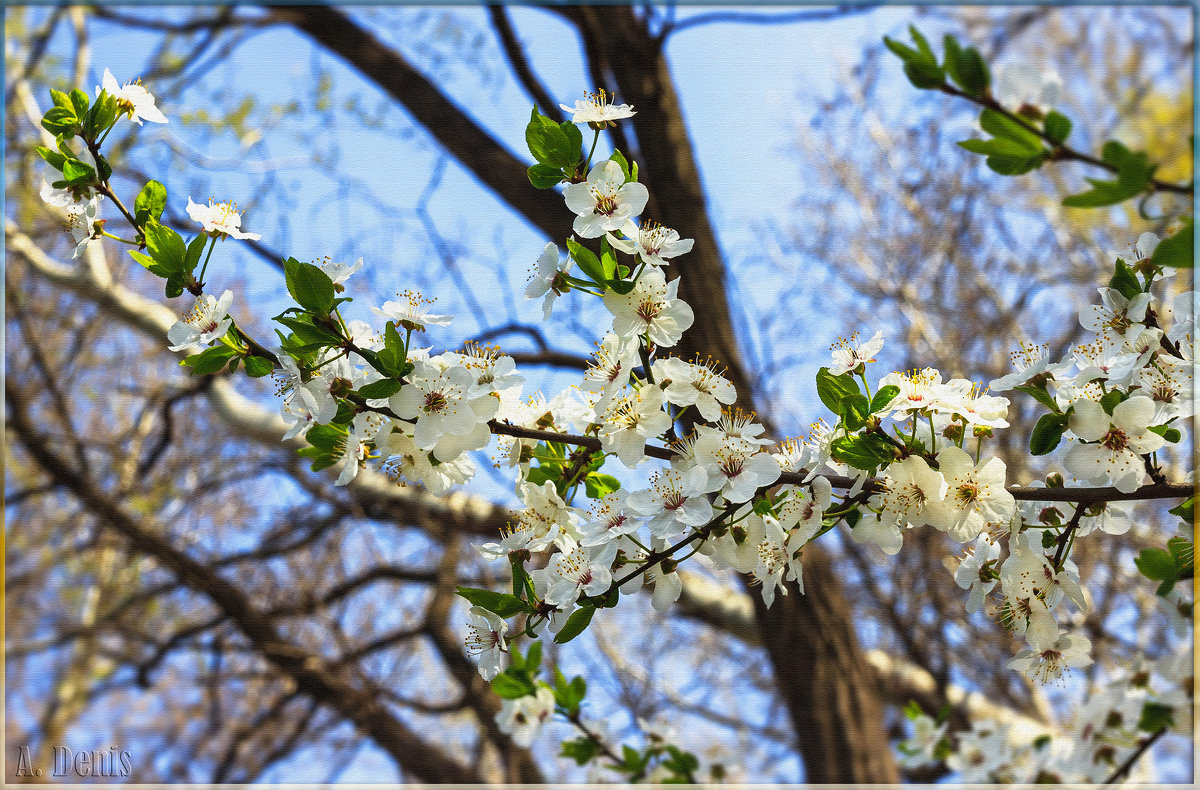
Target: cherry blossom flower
{"x":1119,"y":442}
{"x":1031,"y":362}
{"x":1169,"y":383}
{"x":363,"y":430}
{"x":576,"y":573}
{"x":632,"y":419}
{"x":340,"y":272}
{"x":1049,"y":663}
{"x":132,"y":99}
{"x":82,"y":225}
{"x":652,"y":310}
{"x":604,"y":202}
{"x":848,"y":354}
{"x":303,"y":410}
{"x":406,"y":461}
{"x":411,"y":311}
{"x":975,"y":495}
{"x":485,"y":641}
{"x":977,"y":573}
{"x":652,"y":242}
{"x":549,"y":280}
{"x":219,"y":219}
{"x":598,"y":109}
{"x":608,"y":520}
{"x":918,"y":750}
{"x":208,"y":321}
{"x":439,"y":401}
{"x":1022,"y":85}
{"x":735,"y":468}
{"x":667,"y":586}
{"x":674,"y":501}
{"x":522,"y":718}
{"x":695,"y":384}
{"x":608,"y":372}
{"x":1115,"y":313}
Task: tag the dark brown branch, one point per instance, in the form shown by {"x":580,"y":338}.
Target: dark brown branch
{"x":1024,"y":493}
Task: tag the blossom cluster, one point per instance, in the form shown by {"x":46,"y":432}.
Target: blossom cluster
{"x":1139,"y":701}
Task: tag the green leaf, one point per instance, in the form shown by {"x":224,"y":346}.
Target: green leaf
{"x":506,"y":686}
{"x":1047,"y":433}
{"x":608,"y":259}
{"x":1040,"y":394}
{"x":1155,"y":716}
{"x":1057,"y":127}
{"x":884,"y":396}
{"x":1177,"y":250}
{"x":600,"y":486}
{"x":1168,"y":433}
{"x":1185,"y":510}
{"x":502,"y":604}
{"x":974,"y":76}
{"x":543,"y":176}
{"x":862,"y":452}
{"x":533,"y":658}
{"x":588,"y":263}
{"x":833,"y":389}
{"x":257,"y":367}
{"x":576,"y":624}
{"x":965,"y":67}
{"x":76,"y":172}
{"x":1156,"y":564}
{"x":620,"y":159}
{"x":1134,"y":172}
{"x":61,"y":99}
{"x":582,"y":750}
{"x":1110,"y":399}
{"x":549,"y":143}
{"x":52,"y":157}
{"x":60,"y":121}
{"x":150,"y":202}
{"x":166,"y":247}
{"x":100,"y":117}
{"x":80,"y":102}
{"x":924,"y":75}
{"x":922,"y":44}
{"x":307,"y":332}
{"x":309,"y":286}
{"x":384,"y":388}
{"x":855,"y":410}
{"x":209,"y":361}
{"x":194,"y":249}
{"x":1183,"y":551}
{"x":902,"y":51}
{"x":1000,"y":125}
{"x":1124,"y":280}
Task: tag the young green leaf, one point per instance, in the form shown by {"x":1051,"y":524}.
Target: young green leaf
{"x":1057,"y":127}
{"x":257,"y":367}
{"x":309,"y":286}
{"x":502,"y":604}
{"x":832,"y":390}
{"x":1047,"y":433}
{"x":1178,"y":250}
{"x":576,"y":624}
{"x":150,"y":202}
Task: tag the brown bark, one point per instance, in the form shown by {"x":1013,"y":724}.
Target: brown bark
{"x":829,"y":694}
